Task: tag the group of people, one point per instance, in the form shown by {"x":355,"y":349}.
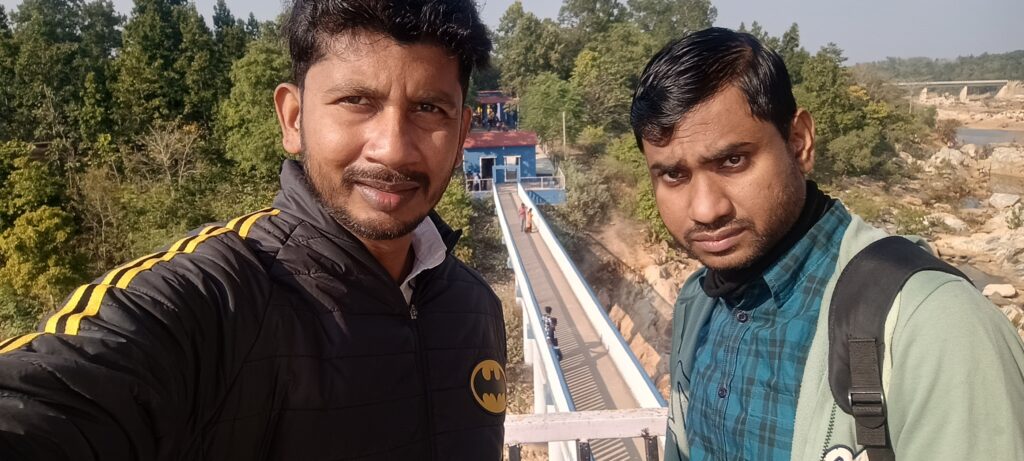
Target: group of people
{"x":526,"y":219}
{"x":338,"y":323}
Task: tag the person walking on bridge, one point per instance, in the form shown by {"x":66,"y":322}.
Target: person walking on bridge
{"x":336,"y":324}
{"x":729,"y":152}
{"x":522,"y":217}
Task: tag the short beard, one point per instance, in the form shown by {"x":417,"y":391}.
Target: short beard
{"x":764,"y":239}
{"x":761,"y":242}
{"x":327,"y":191}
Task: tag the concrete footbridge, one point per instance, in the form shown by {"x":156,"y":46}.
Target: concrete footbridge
{"x":1004,"y":89}
{"x":595,"y":401}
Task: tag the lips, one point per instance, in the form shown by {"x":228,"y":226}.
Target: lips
{"x":386,"y":196}
{"x":719,"y":241}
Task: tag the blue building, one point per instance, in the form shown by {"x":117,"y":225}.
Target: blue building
{"x":498,"y":157}
{"x":507,"y":157}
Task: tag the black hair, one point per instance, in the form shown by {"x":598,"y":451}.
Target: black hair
{"x":452,"y":24}
{"x":693,"y":69}
{"x":547,"y":309}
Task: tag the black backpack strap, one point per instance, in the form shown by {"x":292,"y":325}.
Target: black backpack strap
{"x":863,"y":295}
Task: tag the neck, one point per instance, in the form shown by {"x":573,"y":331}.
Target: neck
{"x":394,"y":255}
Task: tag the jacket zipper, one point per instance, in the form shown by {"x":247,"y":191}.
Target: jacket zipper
{"x":421,"y":363}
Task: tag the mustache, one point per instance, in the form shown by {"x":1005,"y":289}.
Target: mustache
{"x":725,"y":223}
{"x":355,"y":173}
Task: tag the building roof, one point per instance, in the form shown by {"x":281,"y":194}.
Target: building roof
{"x":485,"y":139}
{"x":492,"y":97}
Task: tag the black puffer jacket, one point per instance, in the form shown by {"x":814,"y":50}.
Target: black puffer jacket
{"x":274,"y":337}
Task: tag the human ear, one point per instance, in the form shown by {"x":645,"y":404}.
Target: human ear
{"x":801,"y":140}
{"x":288,"y":103}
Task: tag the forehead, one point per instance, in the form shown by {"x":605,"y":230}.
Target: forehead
{"x":724,"y":119}
{"x":375,"y":57}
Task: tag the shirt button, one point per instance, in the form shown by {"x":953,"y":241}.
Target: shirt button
{"x":722,"y":392}
{"x":742,"y":317}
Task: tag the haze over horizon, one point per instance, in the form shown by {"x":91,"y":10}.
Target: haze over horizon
{"x":867,"y":30}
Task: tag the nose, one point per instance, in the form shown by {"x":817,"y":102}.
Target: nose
{"x":709,"y":201}
{"x":390,"y":140}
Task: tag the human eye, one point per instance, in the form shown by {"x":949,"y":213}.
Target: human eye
{"x":673,"y":176}
{"x":354,"y":100}
{"x":734,"y":162}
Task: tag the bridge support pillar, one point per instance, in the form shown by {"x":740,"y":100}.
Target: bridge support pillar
{"x":963,"y":94}
{"x":540,"y":385}
{"x":924,"y":95}
{"x":1010,"y":90}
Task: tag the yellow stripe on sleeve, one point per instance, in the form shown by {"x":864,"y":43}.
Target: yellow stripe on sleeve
{"x":51,"y":324}
{"x":20,"y":342}
{"x":94,"y":307}
{"x":247,"y":226}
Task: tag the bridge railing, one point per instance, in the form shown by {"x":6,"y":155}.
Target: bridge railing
{"x":622,"y":356}
{"x":583,"y":427}
{"x":536,"y":347}
{"x":544,"y":182}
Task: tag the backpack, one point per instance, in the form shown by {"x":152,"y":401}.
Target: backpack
{"x":864,"y":293}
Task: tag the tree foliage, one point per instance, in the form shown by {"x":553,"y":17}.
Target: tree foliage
{"x":607,"y":71}
{"x":665,"y":20}
{"x":986,"y":66}
{"x":247,"y":121}
{"x":545,"y":100}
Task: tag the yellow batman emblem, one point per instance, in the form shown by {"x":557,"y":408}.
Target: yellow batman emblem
{"x":488,"y":385}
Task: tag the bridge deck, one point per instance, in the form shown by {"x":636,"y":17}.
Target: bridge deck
{"x":593,"y":381}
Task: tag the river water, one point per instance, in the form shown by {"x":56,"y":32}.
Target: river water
{"x":982,"y":137}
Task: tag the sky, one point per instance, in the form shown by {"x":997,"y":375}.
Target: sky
{"x":867,"y":30}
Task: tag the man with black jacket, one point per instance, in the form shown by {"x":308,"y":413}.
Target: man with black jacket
{"x":336,"y":324}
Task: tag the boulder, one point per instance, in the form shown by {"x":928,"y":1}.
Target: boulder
{"x":949,"y":156}
{"x":952,"y":222}
{"x":971,"y":150}
{"x":1000,"y":201}
{"x":1003,"y":290}
{"x":1009,"y":158}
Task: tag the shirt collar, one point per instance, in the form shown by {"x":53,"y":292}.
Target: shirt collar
{"x":429,"y":252}
{"x":822,"y":240}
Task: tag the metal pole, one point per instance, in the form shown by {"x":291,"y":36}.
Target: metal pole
{"x":563,"y":130}
{"x":651,"y":444}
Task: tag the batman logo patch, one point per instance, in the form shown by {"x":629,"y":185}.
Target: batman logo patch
{"x":488,"y":385}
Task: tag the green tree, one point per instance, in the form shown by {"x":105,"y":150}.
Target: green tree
{"x":860,"y":152}
{"x":794,"y":55}
{"x":231,"y":35}
{"x":39,"y":255}
{"x":247,"y":121}
{"x":607,"y":71}
{"x":8,"y":51}
{"x":148,"y":87}
{"x":665,"y":20}
{"x":591,"y":17}
{"x":46,"y":37}
{"x":543,"y":103}
{"x":456,"y":208}
{"x":100,"y":38}
{"x":519,"y":53}
{"x":643,"y":206}
{"x":826,"y":92}
{"x":196,"y":62}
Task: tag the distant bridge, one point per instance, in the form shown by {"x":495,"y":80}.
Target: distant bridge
{"x":1007,"y":88}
